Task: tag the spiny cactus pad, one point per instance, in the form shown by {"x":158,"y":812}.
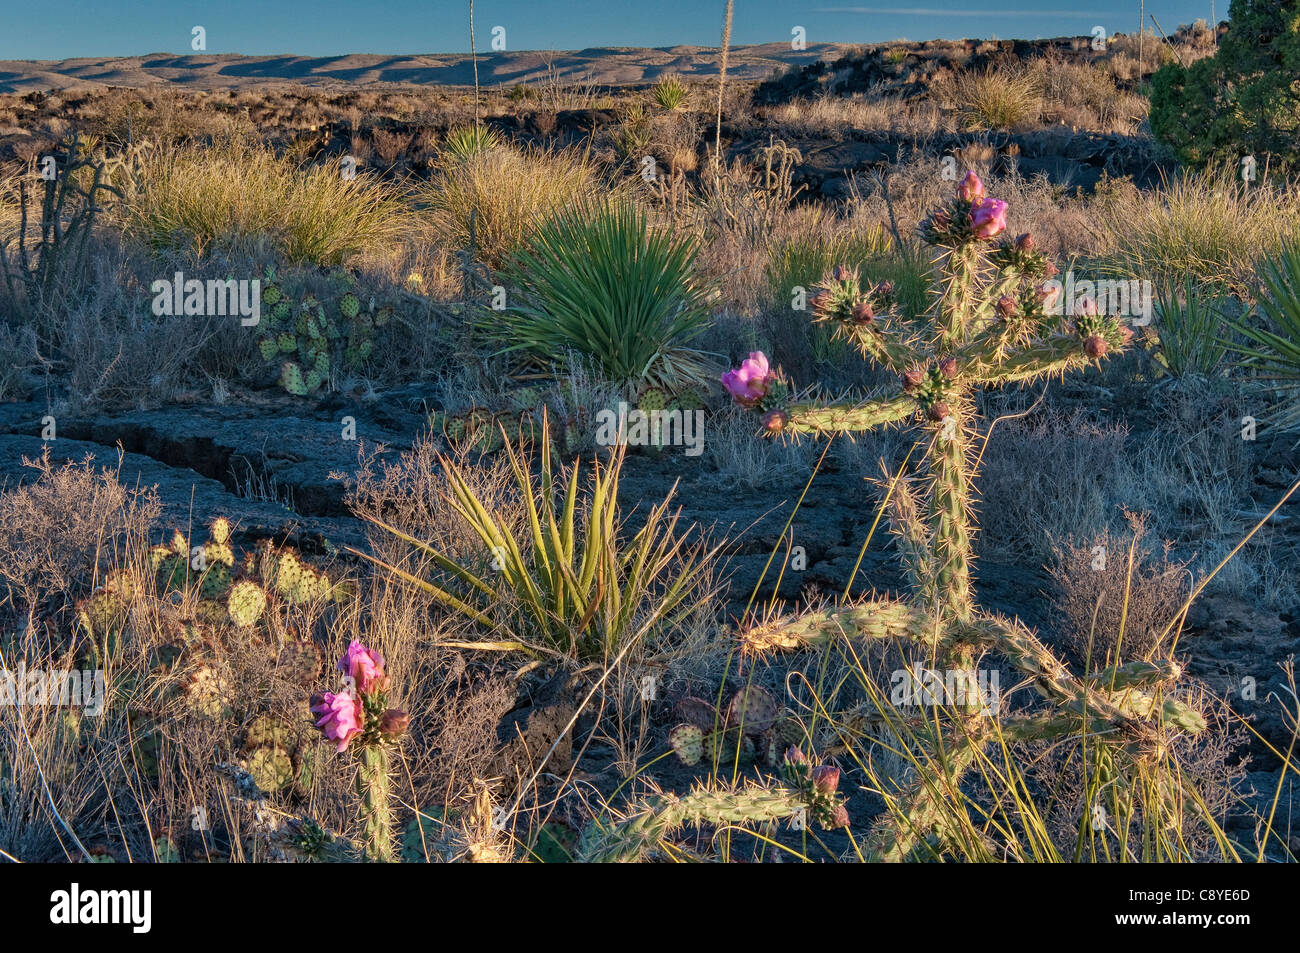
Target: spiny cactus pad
{"x":271,"y":769}
{"x":688,"y":743}
{"x":697,"y":712}
{"x":246,"y":602}
{"x":753,"y":710}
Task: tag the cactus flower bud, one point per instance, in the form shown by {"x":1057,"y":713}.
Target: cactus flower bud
{"x":1049,"y":268}
{"x":1025,"y":242}
{"x":862,"y":313}
{"x":393,"y":722}
{"x":948,"y":367}
{"x":795,"y":755}
{"x":912,"y":379}
{"x":885,"y":288}
{"x":839,"y":817}
{"x":970,"y":188}
{"x":940,"y":217}
{"x":1095,"y":346}
{"x":938,"y":411}
{"x":826,"y":778}
{"x":1007,"y":306}
{"x":821,"y":301}
{"x":1126,"y":331}
{"x":840,"y":272}
{"x":1085,"y":306}
{"x":774,"y":421}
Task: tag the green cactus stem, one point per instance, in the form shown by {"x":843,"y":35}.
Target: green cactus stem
{"x":628,"y":840}
{"x":376,"y":810}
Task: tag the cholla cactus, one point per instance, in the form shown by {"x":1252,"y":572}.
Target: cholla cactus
{"x":811,"y":794}
{"x":360,"y":714}
{"x":990,"y":326}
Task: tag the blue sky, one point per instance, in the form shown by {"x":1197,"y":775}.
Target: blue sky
{"x":58,"y":29}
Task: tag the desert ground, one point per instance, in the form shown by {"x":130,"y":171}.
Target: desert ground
{"x":617,"y":461}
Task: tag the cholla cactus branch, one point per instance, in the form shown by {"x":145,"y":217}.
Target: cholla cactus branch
{"x":873,"y":619}
{"x":656,"y":817}
{"x":847,"y":418}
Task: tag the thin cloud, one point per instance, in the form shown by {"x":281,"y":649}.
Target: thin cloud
{"x":930,"y":12}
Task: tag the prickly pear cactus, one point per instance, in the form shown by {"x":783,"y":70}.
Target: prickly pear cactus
{"x":687,"y":742}
{"x":246,"y":602}
{"x":318,"y":338}
{"x":752,"y":710}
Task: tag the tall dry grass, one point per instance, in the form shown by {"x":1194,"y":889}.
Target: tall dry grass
{"x":239,"y":199}
{"x":1208,"y":225}
{"x":500,"y":193}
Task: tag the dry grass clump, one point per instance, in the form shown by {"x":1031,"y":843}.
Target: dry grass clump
{"x":1049,"y":476}
{"x":199,"y":199}
{"x":62,"y":532}
{"x":829,"y":115}
{"x":1115,"y":596}
{"x":492,"y":198}
{"x":1209,"y":225}
{"x":1084,"y":95}
{"x":412,"y":493}
{"x":992,"y":98}
{"x":1045,"y":91}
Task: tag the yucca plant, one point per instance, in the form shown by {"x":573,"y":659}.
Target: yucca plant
{"x":600,"y":282}
{"x":670,"y":93}
{"x":568,"y":585}
{"x":1273,"y":352}
{"x":469,"y":141}
{"x":1193,"y":331}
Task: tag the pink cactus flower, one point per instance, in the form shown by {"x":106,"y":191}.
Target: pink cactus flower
{"x":748,"y":382}
{"x":970,"y":188}
{"x":988,"y":217}
{"x":340,"y":717}
{"x":365,"y":667}
{"x":1085,"y":306}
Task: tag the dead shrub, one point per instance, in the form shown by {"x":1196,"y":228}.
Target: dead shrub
{"x":1111,"y":613}
{"x":62,"y":532}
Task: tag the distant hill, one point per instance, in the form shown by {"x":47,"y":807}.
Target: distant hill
{"x":601,"y":65}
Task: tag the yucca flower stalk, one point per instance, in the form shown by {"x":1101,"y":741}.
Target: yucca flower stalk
{"x":359,"y":717}
{"x":990,"y":325}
